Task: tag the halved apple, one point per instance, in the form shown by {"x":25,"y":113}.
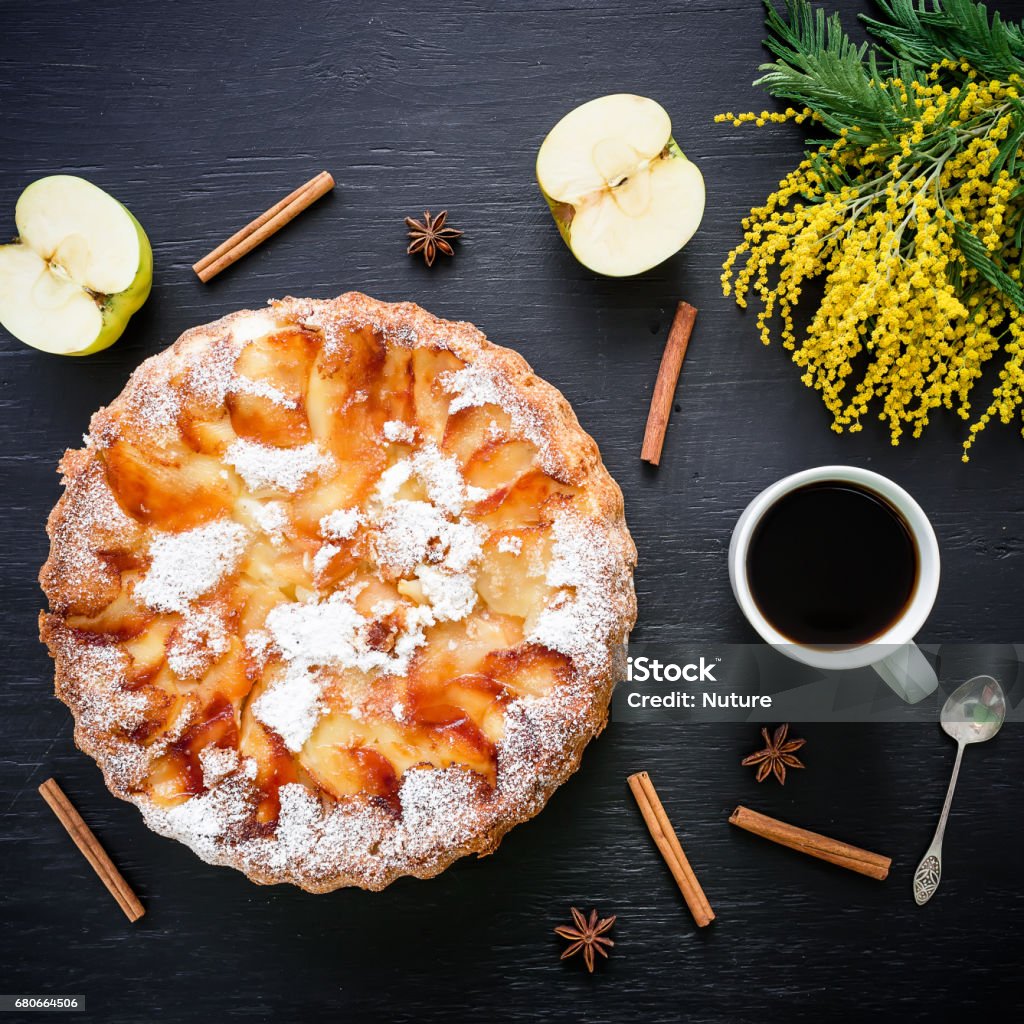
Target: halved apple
{"x":82,"y":265}
{"x":622,"y":194}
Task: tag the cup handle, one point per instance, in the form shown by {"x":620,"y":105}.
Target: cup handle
{"x":908,"y":672}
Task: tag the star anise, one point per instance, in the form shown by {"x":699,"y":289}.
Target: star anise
{"x":430,"y":236}
{"x":587,"y":935}
{"x":778,"y":754}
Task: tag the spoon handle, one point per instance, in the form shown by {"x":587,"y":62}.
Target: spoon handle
{"x":929,"y":871}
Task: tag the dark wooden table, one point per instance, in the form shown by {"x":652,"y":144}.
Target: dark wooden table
{"x":199,"y":115}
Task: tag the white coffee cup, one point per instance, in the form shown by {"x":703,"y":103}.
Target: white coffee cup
{"x":893,"y":654}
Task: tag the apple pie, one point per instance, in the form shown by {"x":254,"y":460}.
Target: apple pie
{"x":336,"y":592}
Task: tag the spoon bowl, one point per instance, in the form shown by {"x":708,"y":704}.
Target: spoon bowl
{"x":974,"y":711}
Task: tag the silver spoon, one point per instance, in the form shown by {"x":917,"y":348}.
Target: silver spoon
{"x":973,"y":713}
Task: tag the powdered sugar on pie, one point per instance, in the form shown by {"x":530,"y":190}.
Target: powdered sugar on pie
{"x":335,"y":589}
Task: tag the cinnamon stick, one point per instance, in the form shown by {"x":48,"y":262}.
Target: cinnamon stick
{"x":667,"y":841}
{"x":265,"y":225}
{"x":91,"y":849}
{"x":874,"y":865}
{"x":665,"y":385}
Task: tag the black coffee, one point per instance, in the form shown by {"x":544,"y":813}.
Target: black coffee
{"x":832,"y":563}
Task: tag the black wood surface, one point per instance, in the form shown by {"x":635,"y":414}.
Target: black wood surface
{"x":198,"y":116}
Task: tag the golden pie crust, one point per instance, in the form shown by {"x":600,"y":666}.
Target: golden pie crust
{"x":336,"y":592}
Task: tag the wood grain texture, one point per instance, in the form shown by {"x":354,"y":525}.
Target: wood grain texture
{"x":197,"y":114}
